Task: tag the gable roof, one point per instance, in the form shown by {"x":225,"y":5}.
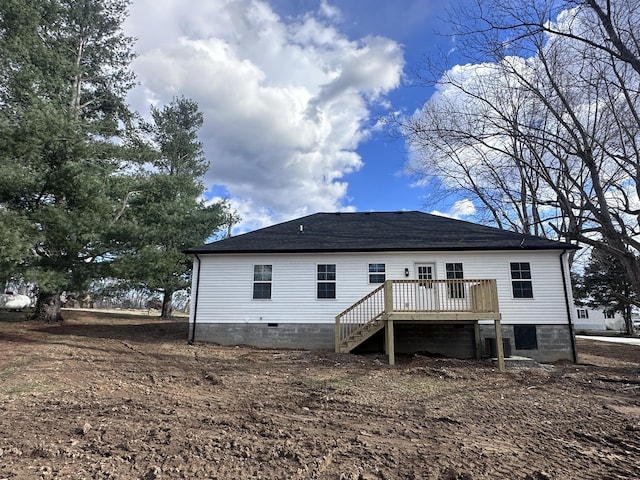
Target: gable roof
{"x":376,"y":232}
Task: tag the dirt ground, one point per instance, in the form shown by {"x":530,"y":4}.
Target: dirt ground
{"x":104,"y":396}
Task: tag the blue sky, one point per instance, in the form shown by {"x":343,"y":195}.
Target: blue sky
{"x":292,"y":92}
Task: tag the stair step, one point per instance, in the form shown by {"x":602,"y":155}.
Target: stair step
{"x":360,"y":334}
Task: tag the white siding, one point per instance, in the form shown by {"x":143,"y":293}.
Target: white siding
{"x":596,"y":320}
{"x":226,"y":283}
{"x":548,"y":305}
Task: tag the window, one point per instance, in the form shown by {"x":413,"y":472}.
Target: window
{"x":454,"y":272}
{"x":609,"y":314}
{"x":521,"y":284}
{"x":526,"y":337}
{"x":425,"y":272}
{"x":583,"y":313}
{"x":376,"y":273}
{"x":262,"y":282}
{"x":327,"y":281}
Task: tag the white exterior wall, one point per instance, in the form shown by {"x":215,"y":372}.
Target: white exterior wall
{"x":226,"y":284}
{"x":597,"y":321}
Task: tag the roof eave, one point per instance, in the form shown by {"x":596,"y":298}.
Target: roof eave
{"x":193,"y":251}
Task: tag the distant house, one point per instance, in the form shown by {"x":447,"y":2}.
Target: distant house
{"x":405,"y":282}
{"x":588,"y":318}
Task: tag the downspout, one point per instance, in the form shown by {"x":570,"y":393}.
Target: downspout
{"x":569,"y":308}
{"x":192,"y":337}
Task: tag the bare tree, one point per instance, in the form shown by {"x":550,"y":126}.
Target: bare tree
{"x":545,"y":132}
{"x":482,"y":136}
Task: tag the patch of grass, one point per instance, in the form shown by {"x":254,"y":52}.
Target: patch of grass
{"x":16,"y":390}
{"x":469,"y":395}
{"x":330,"y":383}
{"x":22,"y":386}
{"x":13,"y":380}
{"x":399,"y":387}
{"x":15,"y":366}
{"x":6,"y":373}
{"x":416,"y":387}
{"x":7,"y":316}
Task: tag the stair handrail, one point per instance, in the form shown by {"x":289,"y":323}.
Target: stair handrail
{"x":398,"y":297}
{"x":369,"y":302}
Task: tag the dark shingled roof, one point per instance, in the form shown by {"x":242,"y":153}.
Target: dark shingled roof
{"x":376,"y":232}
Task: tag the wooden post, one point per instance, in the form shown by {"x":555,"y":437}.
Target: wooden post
{"x":388,"y":309}
{"x":388,"y":296}
{"x":478,"y":343}
{"x":499,"y":349}
{"x":494,"y":296}
{"x":390,"y":342}
{"x":338,"y":334}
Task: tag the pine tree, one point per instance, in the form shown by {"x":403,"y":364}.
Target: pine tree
{"x":167,"y":213}
{"x":64,"y":73}
{"x":605,"y":284}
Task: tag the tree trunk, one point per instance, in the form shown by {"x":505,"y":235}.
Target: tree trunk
{"x":628,"y":321}
{"x":48,"y":308}
{"x":167,"y":305}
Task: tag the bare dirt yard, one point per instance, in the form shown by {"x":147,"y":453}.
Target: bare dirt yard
{"x":117,"y":396}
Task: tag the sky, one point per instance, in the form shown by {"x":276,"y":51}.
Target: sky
{"x":293,"y":93}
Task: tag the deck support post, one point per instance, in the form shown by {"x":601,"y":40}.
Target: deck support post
{"x":499,"y":347}
{"x":390,"y":342}
{"x":388,"y":296}
{"x":476,"y":336}
{"x":395,"y":300}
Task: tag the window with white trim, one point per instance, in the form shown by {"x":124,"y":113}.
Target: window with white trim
{"x":583,"y":313}
{"x":454,"y":272}
{"x":609,"y":314}
{"x":521,"y":285}
{"x":326,"y":277}
{"x":262,"y":275}
{"x":377,"y":273}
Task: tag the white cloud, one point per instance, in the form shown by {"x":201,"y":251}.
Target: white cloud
{"x":461,"y":208}
{"x":286,"y":103}
{"x":330,"y":11}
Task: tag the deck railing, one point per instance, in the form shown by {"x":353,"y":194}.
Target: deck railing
{"x":365,"y":310}
{"x":418,"y":296}
{"x":460,"y":295}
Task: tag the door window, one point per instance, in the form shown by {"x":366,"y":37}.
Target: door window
{"x":425,"y":273}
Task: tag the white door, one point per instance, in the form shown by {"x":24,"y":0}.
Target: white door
{"x":426,"y":291}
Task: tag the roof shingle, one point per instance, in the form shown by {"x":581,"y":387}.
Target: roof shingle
{"x":376,"y":232}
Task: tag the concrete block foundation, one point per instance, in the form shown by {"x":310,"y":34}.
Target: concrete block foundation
{"x":553,"y":342}
{"x":303,"y":336}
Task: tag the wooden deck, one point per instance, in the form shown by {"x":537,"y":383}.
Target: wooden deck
{"x":441,"y":301}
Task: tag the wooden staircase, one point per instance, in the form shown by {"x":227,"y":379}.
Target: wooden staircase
{"x":360,"y":321}
{"x":360,"y":335}
{"x":449,"y":301}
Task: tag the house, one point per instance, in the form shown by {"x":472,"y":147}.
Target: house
{"x":404,"y":282}
{"x":588,"y":318}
